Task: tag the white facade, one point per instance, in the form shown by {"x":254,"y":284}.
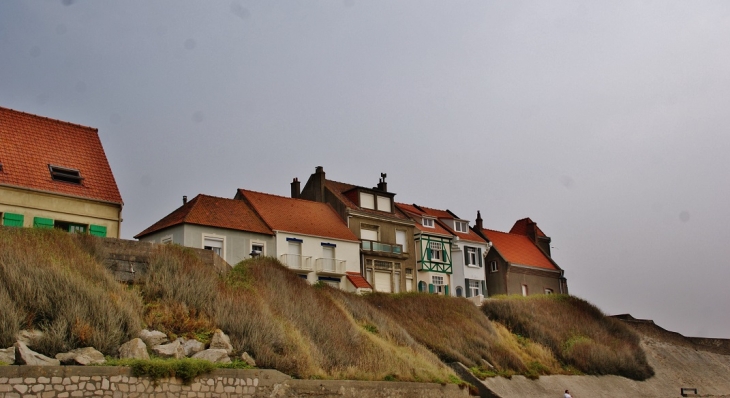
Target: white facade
{"x":467,"y":257}
{"x":318,"y":259}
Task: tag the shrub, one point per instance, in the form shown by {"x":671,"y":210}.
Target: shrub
{"x":185,"y":369}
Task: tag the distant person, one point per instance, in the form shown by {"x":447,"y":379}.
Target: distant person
{"x":567,"y":394}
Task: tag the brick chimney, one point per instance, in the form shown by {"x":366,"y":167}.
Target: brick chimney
{"x":295,"y":188}
{"x":382,"y":185}
{"x":185,"y":199}
{"x":531,"y":230}
{"x":479,"y":225}
{"x":318,"y":184}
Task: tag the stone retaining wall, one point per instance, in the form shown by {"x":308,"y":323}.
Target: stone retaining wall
{"x":118,"y":382}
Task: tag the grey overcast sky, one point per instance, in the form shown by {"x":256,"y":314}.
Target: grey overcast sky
{"x":606,"y":122}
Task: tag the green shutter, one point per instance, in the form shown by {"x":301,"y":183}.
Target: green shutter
{"x":431,"y":288}
{"x":13,"y":220}
{"x":421,"y":286}
{"x":479,"y":257}
{"x":97,"y":230}
{"x":484,"y":289}
{"x":446,"y":290}
{"x":40,"y":222}
{"x":468,"y":289}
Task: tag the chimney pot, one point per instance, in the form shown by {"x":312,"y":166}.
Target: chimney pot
{"x":185,"y":199}
{"x":295,"y":188}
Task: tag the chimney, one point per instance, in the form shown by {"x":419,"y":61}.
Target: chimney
{"x":185,"y":199}
{"x":531,"y":230}
{"x":382,"y":185}
{"x":479,"y":224}
{"x":295,"y":188}
{"x":319,"y":179}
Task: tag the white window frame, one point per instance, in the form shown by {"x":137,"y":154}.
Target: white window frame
{"x":427,"y":222}
{"x":474,"y":286}
{"x":472,"y":251}
{"x":461,"y":226}
{"x":382,"y":200}
{"x":404,"y":244}
{"x":525,"y":290}
{"x":494,"y":266}
{"x":436,"y":248}
{"x":257,"y":243}
{"x":215,"y":237}
{"x":368,"y":227}
{"x":371,"y":200}
{"x":438,"y":283}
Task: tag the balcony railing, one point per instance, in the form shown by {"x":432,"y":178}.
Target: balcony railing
{"x":297,"y":261}
{"x":381,"y":247}
{"x":330,"y":266}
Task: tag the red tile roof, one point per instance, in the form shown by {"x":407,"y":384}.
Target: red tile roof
{"x":30,"y":143}
{"x":469,"y":236}
{"x":358,"y":281}
{"x":518,"y":249}
{"x":214,"y":212}
{"x":417,"y":216}
{"x":298,"y":215}
{"x":339,"y":189}
{"x":521,"y":226}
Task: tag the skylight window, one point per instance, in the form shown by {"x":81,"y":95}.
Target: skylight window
{"x":65,"y":174}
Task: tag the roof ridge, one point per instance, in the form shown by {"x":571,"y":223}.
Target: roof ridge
{"x":279,"y":196}
{"x":94,"y":129}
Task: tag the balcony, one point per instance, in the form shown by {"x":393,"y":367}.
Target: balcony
{"x":297,"y":262}
{"x":381,"y":247}
{"x":330,"y":266}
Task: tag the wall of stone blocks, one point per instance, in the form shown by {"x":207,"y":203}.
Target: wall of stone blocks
{"x":118,"y":382}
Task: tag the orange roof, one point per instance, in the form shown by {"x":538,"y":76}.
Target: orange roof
{"x":518,"y":249}
{"x":417,"y":214}
{"x":339,"y":188}
{"x":298,"y":215}
{"x":469,"y":236}
{"x":214,"y":212}
{"x":30,"y":143}
{"x":520,"y":227}
{"x":358,"y":281}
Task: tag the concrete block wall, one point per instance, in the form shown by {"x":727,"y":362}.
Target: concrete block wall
{"x":118,"y":382}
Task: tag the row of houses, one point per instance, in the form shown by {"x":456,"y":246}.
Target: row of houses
{"x":360,"y":239}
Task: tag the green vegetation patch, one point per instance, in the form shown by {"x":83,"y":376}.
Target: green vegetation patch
{"x":186,"y":369}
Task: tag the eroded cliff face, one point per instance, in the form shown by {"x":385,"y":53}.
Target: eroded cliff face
{"x":678,"y":362}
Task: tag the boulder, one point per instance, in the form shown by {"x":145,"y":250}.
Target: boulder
{"x":26,"y":356}
{"x":81,"y":356}
{"x":135,"y":349}
{"x":221,"y":341}
{"x":214,"y":355}
{"x":153,"y":337}
{"x":247,"y":358}
{"x":7,"y":356}
{"x":29,"y":337}
{"x":172,"y":350}
{"x":192,"y":347}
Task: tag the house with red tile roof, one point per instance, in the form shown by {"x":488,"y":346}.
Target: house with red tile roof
{"x":310,"y":238}
{"x":467,"y":250}
{"x":518,"y":263}
{"x":387,"y":258}
{"x":229,"y":227}
{"x":55,"y":174}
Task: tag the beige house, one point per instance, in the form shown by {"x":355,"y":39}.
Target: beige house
{"x":55,"y":174}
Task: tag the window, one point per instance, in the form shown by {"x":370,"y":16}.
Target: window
{"x":438,"y":283}
{"x":400,"y":239}
{"x":524,"y":290}
{"x":470,"y":256}
{"x":65,"y":174}
{"x":461,"y":226}
{"x":548,"y":291}
{"x":367,"y":200}
{"x":384,"y":203}
{"x":369,"y":232}
{"x":215,"y":244}
{"x":12,"y":220}
{"x":494,"y":266}
{"x":427,"y":222}
{"x":70,"y":227}
{"x":474,"y":287}
{"x":435,"y":251}
{"x":334,"y":282}
{"x":459,"y":291}
{"x":257,"y":249}
{"x":397,"y":282}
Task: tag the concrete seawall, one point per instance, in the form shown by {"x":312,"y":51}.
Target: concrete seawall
{"x":118,"y":382}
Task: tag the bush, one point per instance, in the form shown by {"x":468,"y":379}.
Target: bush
{"x":186,"y":369}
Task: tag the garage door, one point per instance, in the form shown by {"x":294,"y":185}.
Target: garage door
{"x":382,"y":282}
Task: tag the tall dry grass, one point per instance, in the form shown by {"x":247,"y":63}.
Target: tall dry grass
{"x":49,"y":283}
{"x":577,"y":333}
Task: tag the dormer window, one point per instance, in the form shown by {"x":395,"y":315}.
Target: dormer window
{"x":461,"y":226}
{"x":375,"y":202}
{"x":65,"y":174}
{"x":427,"y":222}
{"x":367,"y":201}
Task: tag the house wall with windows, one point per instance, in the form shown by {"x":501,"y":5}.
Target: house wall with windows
{"x":434,"y":264}
{"x":469,"y":277}
{"x":496,"y":273}
{"x":235,"y":246}
{"x":31,"y":208}
{"x":318,"y":259}
{"x":529,"y":281}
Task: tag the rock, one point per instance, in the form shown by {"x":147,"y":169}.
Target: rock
{"x":247,"y":358}
{"x":26,"y":356}
{"x":192,"y":347}
{"x":215,"y":355}
{"x":135,"y":349}
{"x":221,"y":341}
{"x":153,"y":337}
{"x":172,"y":350}
{"x":29,"y":337}
{"x":81,"y":356}
{"x":7,"y":356}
